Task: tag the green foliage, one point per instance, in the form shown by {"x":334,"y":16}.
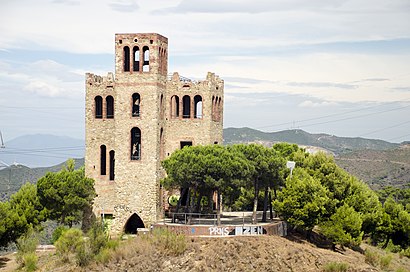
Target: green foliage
{"x":172,"y":243}
{"x":98,"y":238}
{"x":69,"y":242}
{"x":344,"y":227}
{"x":26,"y":248}
{"x":66,"y":193}
{"x":385,"y":261}
{"x":336,"y":267}
{"x":303,"y":201}
{"x":23,"y":212}
{"x":57,"y":233}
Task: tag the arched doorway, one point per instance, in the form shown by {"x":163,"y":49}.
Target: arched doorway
{"x":133,"y":223}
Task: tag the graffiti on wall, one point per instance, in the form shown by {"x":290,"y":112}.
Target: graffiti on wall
{"x":238,"y":230}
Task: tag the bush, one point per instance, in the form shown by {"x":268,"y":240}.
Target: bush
{"x":98,"y":238}
{"x":30,"y":261}
{"x":171,"y":243}
{"x":104,"y":256}
{"x":385,"y":261}
{"x":69,"y":242}
{"x":405,"y":253}
{"x":57,"y":233}
{"x":336,"y":267}
{"x":371,"y":257}
{"x":83,"y":254}
{"x":26,"y":248}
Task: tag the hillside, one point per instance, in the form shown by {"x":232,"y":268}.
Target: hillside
{"x":379,"y":168}
{"x":329,"y":142}
{"x":257,"y":253}
{"x":13,"y":177}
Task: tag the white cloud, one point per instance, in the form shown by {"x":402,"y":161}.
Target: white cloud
{"x":311,"y":104}
{"x":43,"y":88}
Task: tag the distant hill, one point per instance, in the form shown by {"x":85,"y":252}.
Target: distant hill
{"x":332,"y":143}
{"x":41,"y":150}
{"x":13,"y":177}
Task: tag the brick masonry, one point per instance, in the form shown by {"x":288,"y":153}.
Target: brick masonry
{"x":131,"y":187}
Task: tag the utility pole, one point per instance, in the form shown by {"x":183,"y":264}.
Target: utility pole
{"x":2,"y":142}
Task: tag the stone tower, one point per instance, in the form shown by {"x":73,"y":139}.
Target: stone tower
{"x":135,"y":119}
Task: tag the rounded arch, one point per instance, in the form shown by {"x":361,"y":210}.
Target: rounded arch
{"x":133,"y":223}
{"x":198,"y":106}
{"x":135,"y":143}
{"x":110,"y":107}
{"x":136,"y":102}
{"x":136,"y":59}
{"x":98,"y":107}
{"x":186,"y":106}
{"x":126,"y":59}
{"x":174,"y":106}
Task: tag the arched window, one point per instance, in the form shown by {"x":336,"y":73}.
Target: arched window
{"x":112,"y":164}
{"x":126,"y":59}
{"x":213,"y":108}
{"x":110,"y":107}
{"x":198,"y":106}
{"x":161,"y":145}
{"x":161,"y":107}
{"x":135,"y":143}
{"x":145,"y":67}
{"x":219,"y":108}
{"x":186,"y":107}
{"x":136,"y":101}
{"x":174,"y":106}
{"x":103,"y":160}
{"x":136,"y":58}
{"x":98,"y":107}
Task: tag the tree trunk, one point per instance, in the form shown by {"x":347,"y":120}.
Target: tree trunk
{"x":255,"y":202}
{"x":179,"y":203}
{"x":265,"y":203}
{"x":270,"y":206}
{"x":198,"y":203}
{"x":218,"y":209}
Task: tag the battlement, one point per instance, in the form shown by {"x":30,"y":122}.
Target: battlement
{"x":212,"y":81}
{"x":92,"y":79}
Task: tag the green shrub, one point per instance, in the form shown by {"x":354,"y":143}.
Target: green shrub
{"x":385,"y":261}
{"x":98,"y":238}
{"x":405,"y":253}
{"x":26,"y":248}
{"x":371,"y":257}
{"x":171,"y":243}
{"x":336,"y":267}
{"x":104,"y":256}
{"x":69,"y":242}
{"x":83,"y":254}
{"x":57,"y":233}
{"x":30,"y":261}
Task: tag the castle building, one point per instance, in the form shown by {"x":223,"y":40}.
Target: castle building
{"x":135,"y":119}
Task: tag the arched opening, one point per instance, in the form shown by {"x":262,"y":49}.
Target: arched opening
{"x":213,"y":108}
{"x":161,"y":144}
{"x":126,"y":59}
{"x":135,"y":143}
{"x":136,"y":100}
{"x":112,"y":164}
{"x":103,"y":160}
{"x":219,"y":108}
{"x":98,"y":107}
{"x":136,"y":58}
{"x":161,"y":107}
{"x":186,"y":107}
{"x":145,"y":67}
{"x":198,"y":106}
{"x":133,"y":224}
{"x":110,"y":107}
{"x":174,"y":106}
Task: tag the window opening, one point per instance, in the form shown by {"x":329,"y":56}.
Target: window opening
{"x":136,"y":58}
{"x":174,"y":106}
{"x":98,"y":107}
{"x":161,"y":142}
{"x":112,"y":164}
{"x":103,"y":160}
{"x":145,"y":67}
{"x":161,"y":106}
{"x":186,"y":111}
{"x":135,"y":143}
{"x":198,"y":107}
{"x":185,"y":143}
{"x":136,"y":100}
{"x":126,"y":59}
{"x":110,"y":107}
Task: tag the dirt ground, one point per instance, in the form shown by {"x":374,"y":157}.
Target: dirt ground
{"x":257,"y":253}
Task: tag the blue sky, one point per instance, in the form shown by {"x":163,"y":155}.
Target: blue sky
{"x":340,"y":67}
